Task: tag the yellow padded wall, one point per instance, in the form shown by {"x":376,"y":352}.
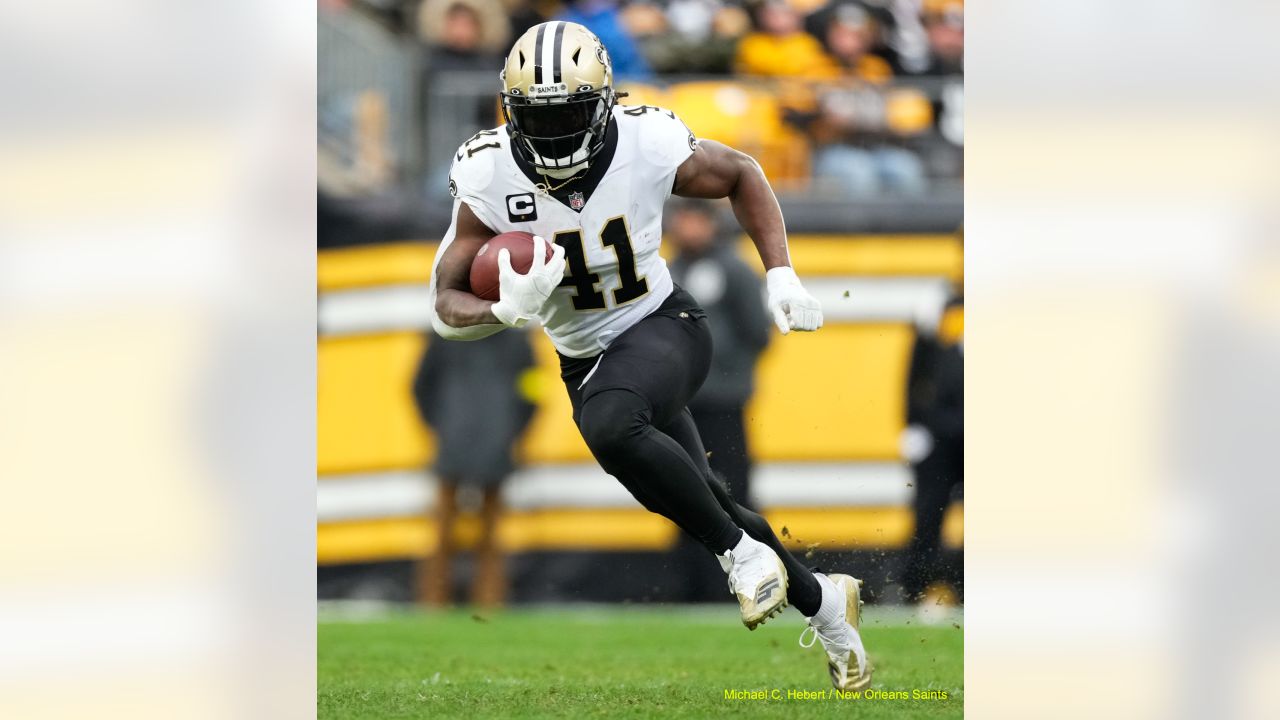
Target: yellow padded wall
{"x":831,"y":395}
{"x":366,"y":417}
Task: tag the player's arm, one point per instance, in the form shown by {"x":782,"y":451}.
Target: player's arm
{"x":718,"y":171}
{"x":456,"y":307}
{"x":521,"y":295}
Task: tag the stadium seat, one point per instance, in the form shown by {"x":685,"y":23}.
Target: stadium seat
{"x":907,"y":111}
{"x":746,"y":117}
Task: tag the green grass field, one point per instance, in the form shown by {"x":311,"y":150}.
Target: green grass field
{"x":617,"y":662}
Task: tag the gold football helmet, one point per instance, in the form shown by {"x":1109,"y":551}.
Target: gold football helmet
{"x":558,"y":96}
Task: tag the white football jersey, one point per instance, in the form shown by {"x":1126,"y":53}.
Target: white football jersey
{"x":609,"y":221}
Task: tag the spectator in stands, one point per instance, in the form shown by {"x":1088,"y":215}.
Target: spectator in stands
{"x":934,"y":444}
{"x":944,"y":26}
{"x":522,"y":15}
{"x":850,"y":36}
{"x":779,"y":47}
{"x":646,"y":24}
{"x":898,"y":37}
{"x":603,"y":18}
{"x":860,"y":150}
{"x":464,"y":36}
{"x":708,"y":266}
{"x":693,"y":37}
{"x":730,"y":24}
{"x":474,"y":396}
{"x":461,"y":36}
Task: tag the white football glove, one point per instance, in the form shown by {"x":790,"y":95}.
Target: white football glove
{"x":521,"y":297}
{"x":791,"y":306}
{"x":915,"y":443}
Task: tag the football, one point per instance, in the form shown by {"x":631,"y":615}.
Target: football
{"x":484,"y":269}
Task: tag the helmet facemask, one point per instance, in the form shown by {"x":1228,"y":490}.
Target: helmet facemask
{"x":559,"y":134}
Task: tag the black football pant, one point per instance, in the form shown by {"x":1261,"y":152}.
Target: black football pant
{"x":724,"y":434}
{"x":630,"y":405}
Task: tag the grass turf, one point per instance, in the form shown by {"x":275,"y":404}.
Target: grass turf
{"x":617,"y":662}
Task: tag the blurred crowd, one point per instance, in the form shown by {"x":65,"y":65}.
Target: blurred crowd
{"x":871,"y":40}
{"x":837,"y":67}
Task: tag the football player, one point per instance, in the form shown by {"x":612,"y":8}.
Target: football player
{"x":574,"y":168}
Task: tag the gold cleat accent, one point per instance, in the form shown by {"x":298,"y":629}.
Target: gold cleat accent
{"x":769,"y":599}
{"x":841,"y":679}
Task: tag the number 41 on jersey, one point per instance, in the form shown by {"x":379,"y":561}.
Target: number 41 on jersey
{"x":586,"y":284}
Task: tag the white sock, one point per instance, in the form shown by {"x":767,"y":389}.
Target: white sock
{"x":725,"y":562}
{"x":832,"y":601}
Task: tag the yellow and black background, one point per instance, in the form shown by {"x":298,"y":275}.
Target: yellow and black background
{"x":824,"y":427}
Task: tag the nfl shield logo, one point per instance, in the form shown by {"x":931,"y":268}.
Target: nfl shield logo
{"x":575,"y":200}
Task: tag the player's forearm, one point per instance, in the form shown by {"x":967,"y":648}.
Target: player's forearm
{"x":757,"y":210}
{"x":462,"y":309}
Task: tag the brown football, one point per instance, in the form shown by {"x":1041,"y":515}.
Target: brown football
{"x":484,"y":269}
